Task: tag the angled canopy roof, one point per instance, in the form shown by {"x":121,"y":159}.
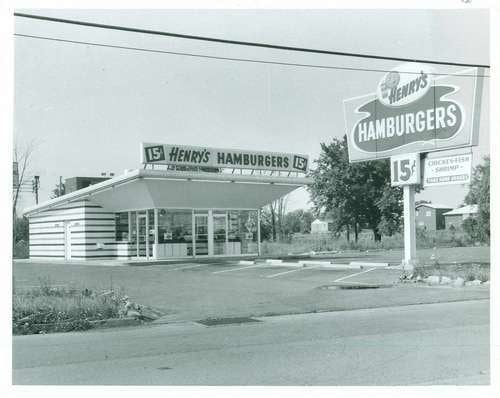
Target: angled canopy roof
{"x":469,"y":209}
{"x":144,"y":188}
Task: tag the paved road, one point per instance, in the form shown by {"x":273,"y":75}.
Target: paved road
{"x":445,"y":343}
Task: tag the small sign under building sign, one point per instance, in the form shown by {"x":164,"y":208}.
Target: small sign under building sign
{"x":405,"y":169}
{"x":448,"y":170}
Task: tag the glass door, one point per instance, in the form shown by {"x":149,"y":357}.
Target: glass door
{"x":220,"y":233}
{"x":201,"y":234}
{"x":141,"y":236}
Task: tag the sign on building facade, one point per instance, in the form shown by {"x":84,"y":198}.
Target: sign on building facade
{"x":183,"y":155}
{"x":412,"y":111}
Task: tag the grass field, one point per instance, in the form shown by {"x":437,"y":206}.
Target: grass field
{"x":302,"y":243}
{"x":479,"y":254}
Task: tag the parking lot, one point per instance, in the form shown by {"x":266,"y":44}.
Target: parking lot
{"x":190,"y":291}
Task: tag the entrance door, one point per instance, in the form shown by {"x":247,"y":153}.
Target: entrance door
{"x":67,"y":240}
{"x":142,"y":242}
{"x":201,"y":234}
{"x":220,"y":233}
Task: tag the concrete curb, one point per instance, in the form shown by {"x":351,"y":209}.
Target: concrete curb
{"x":273,"y":261}
{"x":114,"y":323}
{"x":367,"y":264}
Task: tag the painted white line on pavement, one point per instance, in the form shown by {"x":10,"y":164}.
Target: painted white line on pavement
{"x":293,"y":270}
{"x":350,"y":276}
{"x":237,"y":269}
{"x":187,"y":267}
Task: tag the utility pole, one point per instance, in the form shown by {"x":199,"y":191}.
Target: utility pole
{"x":60,"y":186}
{"x":36,"y":185}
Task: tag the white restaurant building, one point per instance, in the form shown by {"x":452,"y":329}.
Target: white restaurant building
{"x":184,"y":202}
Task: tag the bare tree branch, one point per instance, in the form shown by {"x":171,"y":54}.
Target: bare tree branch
{"x":23,"y":156}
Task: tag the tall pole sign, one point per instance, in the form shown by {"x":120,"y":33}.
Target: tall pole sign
{"x":413,"y":110}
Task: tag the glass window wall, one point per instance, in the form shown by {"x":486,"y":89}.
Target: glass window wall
{"x":175,"y":228}
{"x":231,"y":232}
{"x":242,"y":230}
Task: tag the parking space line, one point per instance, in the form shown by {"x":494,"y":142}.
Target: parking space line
{"x":350,"y":276}
{"x":187,"y":267}
{"x":290,"y":271}
{"x":237,"y":269}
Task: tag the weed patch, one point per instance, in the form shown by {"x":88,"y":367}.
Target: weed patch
{"x":48,"y":308}
{"x":466,"y":271}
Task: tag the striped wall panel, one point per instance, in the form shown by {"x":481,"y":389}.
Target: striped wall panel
{"x":92,"y":233}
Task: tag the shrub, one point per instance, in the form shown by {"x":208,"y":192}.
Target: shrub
{"x":21,"y":249}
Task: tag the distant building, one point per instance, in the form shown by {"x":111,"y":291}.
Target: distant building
{"x":75,"y":183}
{"x":456,"y":217}
{"x":320,"y":226}
{"x":430,"y":216}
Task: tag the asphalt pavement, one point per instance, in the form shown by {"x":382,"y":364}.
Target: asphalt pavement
{"x":443,"y":343}
{"x":194,"y":291}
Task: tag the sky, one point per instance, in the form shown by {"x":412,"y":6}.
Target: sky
{"x":88,"y":108}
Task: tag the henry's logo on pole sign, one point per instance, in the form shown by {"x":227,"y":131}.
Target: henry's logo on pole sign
{"x":398,"y":88}
{"x":413,"y":110}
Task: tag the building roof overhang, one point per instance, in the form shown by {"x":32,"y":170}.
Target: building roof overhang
{"x":146,"y":188}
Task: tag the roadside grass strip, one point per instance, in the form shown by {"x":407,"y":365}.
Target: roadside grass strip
{"x":37,"y":286}
{"x":238,"y":269}
{"x":290,"y":271}
{"x":352,"y":275}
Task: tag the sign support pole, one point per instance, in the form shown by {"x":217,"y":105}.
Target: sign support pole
{"x":410,"y":240}
{"x":258,"y":232}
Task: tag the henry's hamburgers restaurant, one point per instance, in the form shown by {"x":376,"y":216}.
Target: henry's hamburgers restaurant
{"x":185,"y":202}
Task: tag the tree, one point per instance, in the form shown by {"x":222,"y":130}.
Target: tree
{"x":354,"y":194}
{"x":59,"y":190}
{"x":471,"y":228}
{"x":22,"y":156}
{"x":297,"y":221}
{"x":266,"y":232}
{"x":277,"y":210}
{"x":391,"y":208}
{"x":479,"y":193}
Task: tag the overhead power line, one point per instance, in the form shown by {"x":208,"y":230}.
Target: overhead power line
{"x":238,"y":42}
{"x":229,"y":58}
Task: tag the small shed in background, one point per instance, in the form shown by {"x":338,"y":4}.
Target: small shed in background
{"x":430,"y":216}
{"x":456,"y":217}
{"x":320,"y":226}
